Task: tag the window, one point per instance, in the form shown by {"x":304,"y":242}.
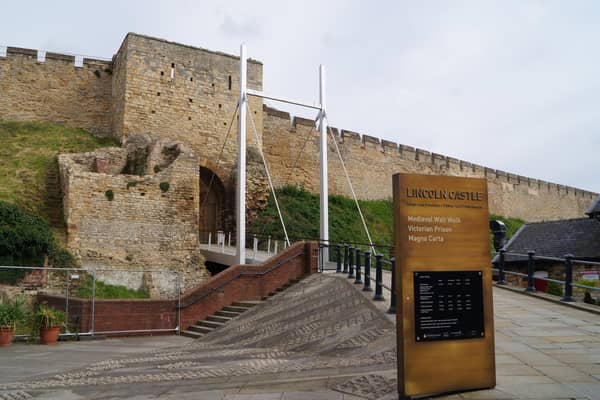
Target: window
{"x":172,"y":70}
{"x":78,"y":61}
{"x":229,"y":82}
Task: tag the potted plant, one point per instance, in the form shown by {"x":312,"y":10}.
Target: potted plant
{"x":11,"y":313}
{"x":48,"y":322}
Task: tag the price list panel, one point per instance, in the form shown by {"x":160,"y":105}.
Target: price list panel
{"x":448,"y":305}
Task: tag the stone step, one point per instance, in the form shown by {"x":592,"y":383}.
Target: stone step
{"x":230,"y":314}
{"x":246,"y":304}
{"x":235,"y":309}
{"x":210,"y":324}
{"x":191,"y":334}
{"x":217,"y":318}
{"x":201,"y":329}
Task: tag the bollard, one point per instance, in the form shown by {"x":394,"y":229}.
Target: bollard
{"x":378,"y":279}
{"x":338,"y":257}
{"x":209,"y":239}
{"x":229,"y":239}
{"x":350,"y":262}
{"x":392,"y":309}
{"x":367,"y":287}
{"x":530,"y":269}
{"x":346,"y":249}
{"x":275,"y":251}
{"x":269,"y":246}
{"x":568,"y":297}
{"x":358,"y":280}
{"x":501,"y":280}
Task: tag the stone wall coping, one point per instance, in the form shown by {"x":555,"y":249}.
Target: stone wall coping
{"x":218,"y":53}
{"x":404,"y":148}
{"x":276,"y":113}
{"x":389,"y":143}
{"x":303,"y":121}
{"x":346,"y":134}
{"x":56,"y":56}
{"x":425,"y":156}
{"x":20,"y":50}
{"x":370,"y":139}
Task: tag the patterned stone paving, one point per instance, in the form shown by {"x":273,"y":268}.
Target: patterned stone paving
{"x":322,"y":339}
{"x":318,"y":325}
{"x":370,"y":387}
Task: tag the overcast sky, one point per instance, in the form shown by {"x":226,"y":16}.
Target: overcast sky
{"x":512,"y":85}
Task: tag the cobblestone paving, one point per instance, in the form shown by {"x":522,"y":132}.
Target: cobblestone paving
{"x":316,"y":328}
{"x":321,"y":339}
{"x":370,"y":387}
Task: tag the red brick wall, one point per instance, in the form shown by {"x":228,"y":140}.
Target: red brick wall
{"x":236,"y":283}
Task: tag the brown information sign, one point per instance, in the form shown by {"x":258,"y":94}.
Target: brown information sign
{"x":445,"y":315}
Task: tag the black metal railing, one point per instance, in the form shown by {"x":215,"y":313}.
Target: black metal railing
{"x":357,"y":264}
{"x":568,"y":261}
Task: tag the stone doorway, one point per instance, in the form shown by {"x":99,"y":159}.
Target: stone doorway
{"x":212,"y":204}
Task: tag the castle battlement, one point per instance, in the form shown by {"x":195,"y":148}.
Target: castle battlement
{"x":172,"y":90}
{"x":424,"y":161}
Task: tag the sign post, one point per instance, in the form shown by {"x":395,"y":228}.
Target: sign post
{"x":445,"y":324}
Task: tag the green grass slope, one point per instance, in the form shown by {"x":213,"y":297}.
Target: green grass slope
{"x":300,"y":211}
{"x":28,"y":163}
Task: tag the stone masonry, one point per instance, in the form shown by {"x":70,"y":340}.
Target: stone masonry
{"x":371,"y":162}
{"x":55,"y":90}
{"x":138,"y":221}
{"x":176,"y":93}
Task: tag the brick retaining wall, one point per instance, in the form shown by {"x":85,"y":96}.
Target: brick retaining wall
{"x":236,"y":283}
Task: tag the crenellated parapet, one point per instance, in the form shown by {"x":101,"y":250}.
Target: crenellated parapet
{"x":53,"y":87}
{"x":371,"y":161}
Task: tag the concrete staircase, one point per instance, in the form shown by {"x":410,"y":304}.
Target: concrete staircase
{"x":219,"y":319}
{"x":226,"y":314}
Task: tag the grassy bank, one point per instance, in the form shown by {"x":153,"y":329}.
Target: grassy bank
{"x":28,"y":163}
{"x":300,"y":211}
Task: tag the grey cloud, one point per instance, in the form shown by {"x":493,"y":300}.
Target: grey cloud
{"x":244,"y":28}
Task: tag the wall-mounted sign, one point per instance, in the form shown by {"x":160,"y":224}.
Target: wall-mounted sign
{"x":444,"y":283}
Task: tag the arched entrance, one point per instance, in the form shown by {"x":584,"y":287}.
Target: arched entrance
{"x":212,"y":204}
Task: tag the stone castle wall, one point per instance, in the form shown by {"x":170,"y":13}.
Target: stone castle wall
{"x":291,"y":149}
{"x":195,"y":106}
{"x":55,"y":90}
{"x":139,"y":225}
{"x":189,"y":94}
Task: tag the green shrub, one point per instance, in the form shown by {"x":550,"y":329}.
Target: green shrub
{"x":46,"y":317}
{"x":164,"y":186}
{"x":12,"y":312}
{"x":555,"y":289}
{"x":25,"y":238}
{"x":107,"y":291}
{"x":62,"y":258}
{"x":110,"y":195}
{"x":131,"y":184}
{"x":587,"y":282}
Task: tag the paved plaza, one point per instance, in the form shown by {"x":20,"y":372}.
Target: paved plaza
{"x":321,"y":339}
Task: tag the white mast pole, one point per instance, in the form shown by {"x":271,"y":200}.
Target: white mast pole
{"x":324,"y":204}
{"x":240,"y":254}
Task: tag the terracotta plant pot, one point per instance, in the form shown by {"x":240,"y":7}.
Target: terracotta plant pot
{"x":6,"y":335}
{"x":49,"y":335}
